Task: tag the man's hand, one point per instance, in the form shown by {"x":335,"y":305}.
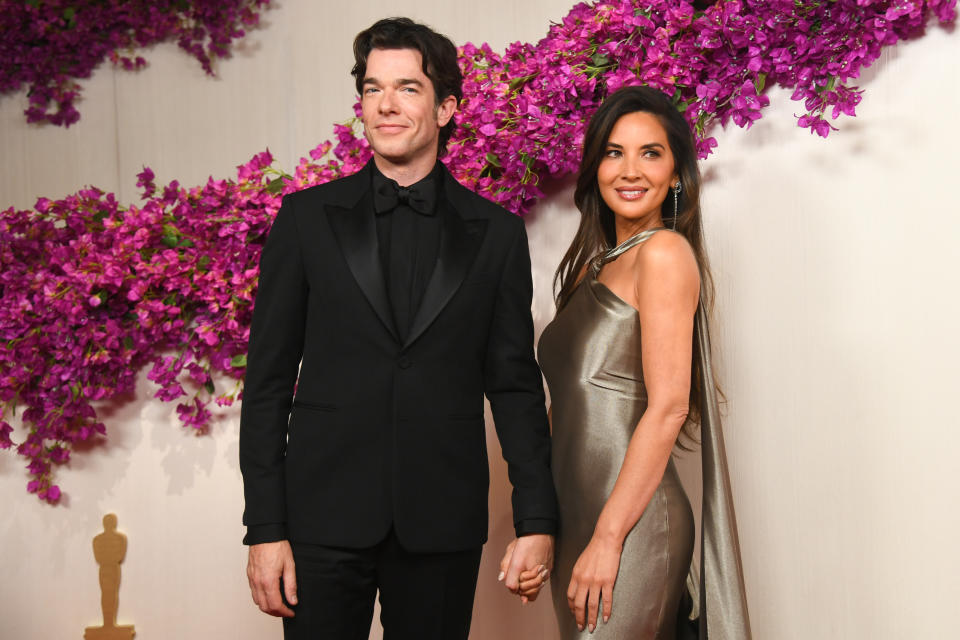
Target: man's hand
{"x":526,"y":565}
{"x":266,"y":565}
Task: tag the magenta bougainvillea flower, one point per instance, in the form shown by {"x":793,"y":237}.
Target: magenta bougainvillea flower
{"x":48,"y":45}
{"x":92,"y":292}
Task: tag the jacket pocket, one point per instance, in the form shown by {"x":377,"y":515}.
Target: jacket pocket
{"x":467,"y":415}
{"x":316,"y":406}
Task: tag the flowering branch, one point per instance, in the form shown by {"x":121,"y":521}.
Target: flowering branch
{"x":48,"y":45}
{"x":92,"y":292}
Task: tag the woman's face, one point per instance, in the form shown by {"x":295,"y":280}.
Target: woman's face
{"x":637,"y":171}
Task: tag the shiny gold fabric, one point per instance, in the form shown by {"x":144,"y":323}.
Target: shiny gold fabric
{"x":590,"y":355}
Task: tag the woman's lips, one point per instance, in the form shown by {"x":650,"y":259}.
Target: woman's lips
{"x":631,"y":194}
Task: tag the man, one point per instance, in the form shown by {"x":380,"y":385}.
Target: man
{"x":407,"y":298}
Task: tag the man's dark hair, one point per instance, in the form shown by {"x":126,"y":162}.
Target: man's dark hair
{"x":437,"y":51}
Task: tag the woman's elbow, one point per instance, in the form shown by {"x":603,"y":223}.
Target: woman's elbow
{"x":672,"y":415}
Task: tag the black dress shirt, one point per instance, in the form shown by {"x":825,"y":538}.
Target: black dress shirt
{"x":408,"y":234}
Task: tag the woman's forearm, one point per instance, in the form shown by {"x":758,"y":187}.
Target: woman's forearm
{"x":643,"y":466}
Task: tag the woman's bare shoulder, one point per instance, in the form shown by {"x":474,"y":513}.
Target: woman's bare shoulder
{"x":667,"y":259}
{"x":666,"y":249}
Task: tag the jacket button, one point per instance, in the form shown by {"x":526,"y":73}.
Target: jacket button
{"x":405,"y":362}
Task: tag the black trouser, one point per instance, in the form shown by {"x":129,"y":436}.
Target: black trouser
{"x":423,"y":596}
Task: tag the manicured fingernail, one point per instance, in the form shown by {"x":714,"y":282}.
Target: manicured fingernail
{"x":592,"y":627}
{"x":580,"y":627}
{"x":606,"y":618}
{"x":501,"y":576}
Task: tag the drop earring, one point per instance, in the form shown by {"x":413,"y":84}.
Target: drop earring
{"x":676,"y":191}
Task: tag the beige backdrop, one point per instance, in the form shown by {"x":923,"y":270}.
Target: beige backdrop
{"x":837,"y":297}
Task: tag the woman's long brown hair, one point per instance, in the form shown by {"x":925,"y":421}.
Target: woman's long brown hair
{"x":597,"y":232}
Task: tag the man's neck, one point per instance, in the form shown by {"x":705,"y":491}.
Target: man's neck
{"x":407,"y":173}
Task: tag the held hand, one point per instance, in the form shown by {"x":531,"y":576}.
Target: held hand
{"x":526,"y":565}
{"x":531,"y":581}
{"x":593,"y":577}
{"x":267,"y":563}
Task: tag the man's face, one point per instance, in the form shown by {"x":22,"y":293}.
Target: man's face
{"x":401,"y":119}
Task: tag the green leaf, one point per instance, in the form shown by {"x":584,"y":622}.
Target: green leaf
{"x":203,"y":262}
{"x":127,"y":343}
{"x":69,"y":14}
{"x":33,"y":3}
{"x":239,"y":361}
{"x":599,"y":60}
{"x":208,"y":385}
{"x":275,"y":186}
{"x":831,"y":83}
{"x":185,"y":243}
{"x":760,"y":82}
{"x":516,"y":83}
{"x":170,"y":241}
{"x":494,"y":160}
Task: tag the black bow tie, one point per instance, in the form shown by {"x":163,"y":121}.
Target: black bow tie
{"x":419,"y":197}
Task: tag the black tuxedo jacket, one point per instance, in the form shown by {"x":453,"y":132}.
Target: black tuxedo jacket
{"x":381,"y":431}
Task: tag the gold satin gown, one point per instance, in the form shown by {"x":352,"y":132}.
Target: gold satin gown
{"x":590,"y":356}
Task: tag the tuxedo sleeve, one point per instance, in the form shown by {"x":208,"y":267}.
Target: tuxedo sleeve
{"x":273,"y":359}
{"x":514,"y":386}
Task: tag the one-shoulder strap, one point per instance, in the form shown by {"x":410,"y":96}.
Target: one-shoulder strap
{"x":626,"y":245}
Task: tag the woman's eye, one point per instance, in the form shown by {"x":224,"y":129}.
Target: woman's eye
{"x":613,"y":153}
{"x":650,"y":153}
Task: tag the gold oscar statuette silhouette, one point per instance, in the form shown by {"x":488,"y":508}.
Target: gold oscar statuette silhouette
{"x":109,"y":548}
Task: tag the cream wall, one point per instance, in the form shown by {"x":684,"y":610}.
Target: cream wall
{"x":834,"y":327}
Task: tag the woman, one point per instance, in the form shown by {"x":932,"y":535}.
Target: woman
{"x":627,"y":363}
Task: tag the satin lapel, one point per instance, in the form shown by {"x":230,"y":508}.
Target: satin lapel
{"x":356,"y":232}
{"x":459,"y":242}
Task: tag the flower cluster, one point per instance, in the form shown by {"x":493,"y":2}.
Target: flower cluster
{"x":524,"y":112}
{"x":91,"y":292}
{"x":48,"y":45}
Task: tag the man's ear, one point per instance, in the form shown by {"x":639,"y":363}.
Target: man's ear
{"x":445,"y":110}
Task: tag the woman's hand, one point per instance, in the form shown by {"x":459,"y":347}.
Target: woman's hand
{"x":593,"y":577}
{"x":531,"y":582}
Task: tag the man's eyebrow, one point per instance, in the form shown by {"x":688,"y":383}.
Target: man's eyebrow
{"x":400,"y":82}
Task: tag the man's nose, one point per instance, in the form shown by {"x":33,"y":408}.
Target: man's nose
{"x":388,"y":101}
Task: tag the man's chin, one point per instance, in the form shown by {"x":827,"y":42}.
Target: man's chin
{"x":391,"y":154}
